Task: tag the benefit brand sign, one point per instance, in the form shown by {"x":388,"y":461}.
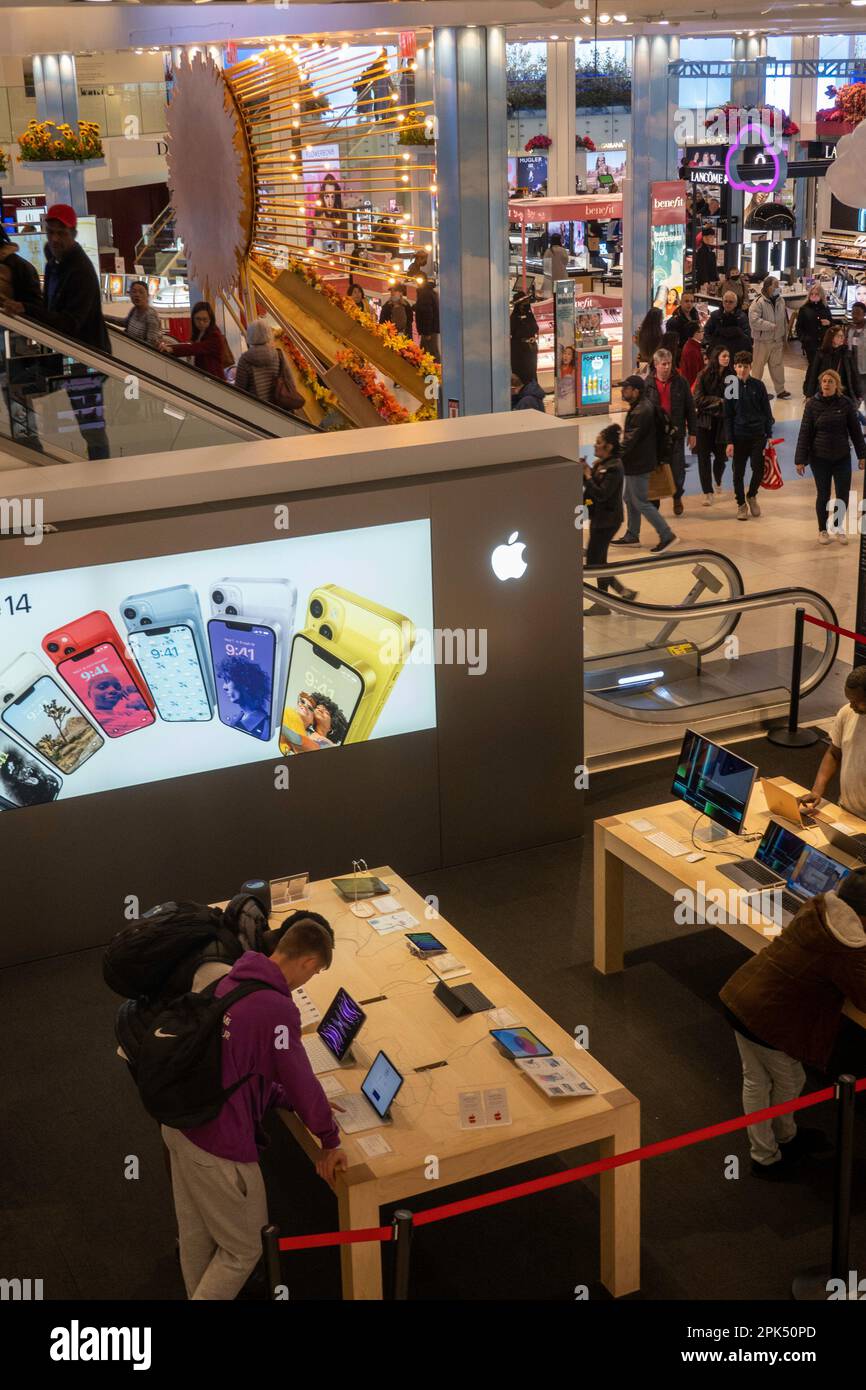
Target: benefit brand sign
{"x":668,"y":233}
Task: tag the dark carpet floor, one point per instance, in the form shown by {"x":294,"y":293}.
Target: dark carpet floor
{"x":84,"y":1200}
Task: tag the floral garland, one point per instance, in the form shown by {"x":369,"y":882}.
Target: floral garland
{"x":850,"y":108}
{"x":4,"y":162}
{"x":321,"y":393}
{"x":730,"y":108}
{"x":377,"y":393}
{"x":538,"y":142}
{"x":44,"y":140}
{"x":584,"y":142}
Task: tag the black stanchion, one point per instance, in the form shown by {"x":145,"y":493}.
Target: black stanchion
{"x":810,"y":1285}
{"x":403,"y":1239}
{"x":791,"y":736}
{"x":271,"y":1252}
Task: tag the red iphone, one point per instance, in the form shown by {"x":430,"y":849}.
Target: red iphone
{"x":89,"y":654}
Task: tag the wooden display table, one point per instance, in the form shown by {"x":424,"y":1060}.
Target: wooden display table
{"x":414,"y":1029}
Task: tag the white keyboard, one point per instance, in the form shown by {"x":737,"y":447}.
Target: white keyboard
{"x":321,"y":1057}
{"x":356,"y":1113}
{"x":667,"y":844}
{"x":307,"y":1009}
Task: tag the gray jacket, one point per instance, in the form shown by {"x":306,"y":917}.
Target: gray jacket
{"x":768,"y":320}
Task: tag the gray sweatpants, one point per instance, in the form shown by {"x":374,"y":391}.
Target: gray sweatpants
{"x":221,"y":1208}
{"x":769,"y":1078}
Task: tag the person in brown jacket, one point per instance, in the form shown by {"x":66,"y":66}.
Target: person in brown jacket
{"x":785,"y":1005}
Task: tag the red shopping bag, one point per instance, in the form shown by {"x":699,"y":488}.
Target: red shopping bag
{"x":772,"y":472}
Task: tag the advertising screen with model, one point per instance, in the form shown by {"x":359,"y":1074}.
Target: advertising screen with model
{"x":335,"y":668}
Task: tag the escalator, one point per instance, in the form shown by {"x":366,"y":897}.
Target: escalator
{"x":61,"y":402}
{"x":692,"y":643}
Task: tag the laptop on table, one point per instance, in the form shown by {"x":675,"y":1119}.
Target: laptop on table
{"x":328,"y":1047}
{"x":784,"y":803}
{"x":814,"y":873}
{"x":775,"y":860}
{"x":852,"y":842}
{"x":372,"y":1107}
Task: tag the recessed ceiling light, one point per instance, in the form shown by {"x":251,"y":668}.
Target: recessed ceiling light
{"x":623,"y":18}
{"x":604,"y":19}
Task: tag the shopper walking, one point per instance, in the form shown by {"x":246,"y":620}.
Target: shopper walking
{"x":142,"y":322}
{"x":683,"y":322}
{"x":71,"y":304}
{"x":264,"y":372}
{"x":835,"y":356}
{"x":639,"y":457}
{"x":219,"y":1193}
{"x":19,"y":280}
{"x":397,"y":310}
{"x":846,"y":754}
{"x":785,"y":1005}
{"x":427,"y":318}
{"x":735,"y":282}
{"x":709,"y":397}
{"x":554,"y":264}
{"x":671,"y":393}
{"x":649,"y":336}
{"x":829,"y":427}
{"x":857,"y":337}
{"x":706,"y":266}
{"x":813,"y":320}
{"x":603,"y":483}
{"x":525,"y":395}
{"x":524,"y":338}
{"x":728,"y":327}
{"x":692,"y":360}
{"x":768,"y":322}
{"x":207,"y":346}
{"x":749,"y":424}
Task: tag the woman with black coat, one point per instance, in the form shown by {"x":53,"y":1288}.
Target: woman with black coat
{"x":813,"y":320}
{"x":835,"y":356}
{"x":829,"y":427}
{"x":709,"y":394}
{"x":524,"y":338}
{"x":602,"y":488}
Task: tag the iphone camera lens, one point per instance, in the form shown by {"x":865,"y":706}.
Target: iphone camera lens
{"x":147,"y":622}
{"x":326,"y":631}
{"x":67,"y":651}
{"x":129,"y":612}
{"x":316,"y":608}
{"x":53,"y":646}
{"x":231,"y":610}
{"x":217,"y":595}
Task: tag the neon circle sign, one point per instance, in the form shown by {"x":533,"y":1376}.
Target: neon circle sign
{"x":778,"y":162}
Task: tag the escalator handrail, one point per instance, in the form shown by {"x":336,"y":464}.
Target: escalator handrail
{"x":279,"y":416}
{"x":741,"y":604}
{"x":113,"y":367}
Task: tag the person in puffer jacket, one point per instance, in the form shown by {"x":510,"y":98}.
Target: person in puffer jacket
{"x":829,"y":427}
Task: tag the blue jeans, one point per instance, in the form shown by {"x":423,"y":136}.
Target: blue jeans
{"x":637,"y":505}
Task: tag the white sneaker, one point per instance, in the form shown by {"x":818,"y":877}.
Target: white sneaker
{"x":754,"y":508}
{"x":743,"y":513}
{"x":843,"y":537}
{"x":823,"y":538}
{"x":708,"y":499}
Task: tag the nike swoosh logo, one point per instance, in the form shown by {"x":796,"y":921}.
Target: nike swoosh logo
{"x":160,"y":1034}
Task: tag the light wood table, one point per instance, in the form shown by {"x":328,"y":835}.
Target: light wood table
{"x":618,"y":846}
{"x":414,"y":1029}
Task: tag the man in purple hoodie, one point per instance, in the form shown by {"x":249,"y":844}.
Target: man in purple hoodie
{"x":219,"y":1192}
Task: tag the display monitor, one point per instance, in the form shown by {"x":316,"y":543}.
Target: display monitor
{"x":714,"y":781}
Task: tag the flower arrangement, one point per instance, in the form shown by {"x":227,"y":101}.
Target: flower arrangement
{"x":538,"y":142}
{"x":416,"y":130}
{"x":44,"y":140}
{"x":4,"y":162}
{"x":770,"y":114}
{"x":584,"y":142}
{"x":849,"y":108}
{"x":373,"y":387}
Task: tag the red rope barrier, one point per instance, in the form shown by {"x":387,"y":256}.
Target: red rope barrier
{"x":570,"y":1175}
{"x":831,"y":627}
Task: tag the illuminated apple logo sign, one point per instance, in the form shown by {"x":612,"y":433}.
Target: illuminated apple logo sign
{"x":507,"y":561}
{"x":766,"y":161}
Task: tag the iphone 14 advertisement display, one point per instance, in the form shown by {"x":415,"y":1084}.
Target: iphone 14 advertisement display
{"x":131,"y":672}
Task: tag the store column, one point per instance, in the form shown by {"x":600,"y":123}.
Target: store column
{"x":652,"y":157}
{"x":804,"y":106}
{"x":472,"y":179}
{"x":422,"y":198}
{"x":561,"y":119}
{"x":749,"y":93}
{"x":56,"y":85}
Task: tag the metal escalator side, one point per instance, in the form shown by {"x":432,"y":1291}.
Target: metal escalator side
{"x":221,"y":395}
{"x":665,"y":662}
{"x":61,"y":401}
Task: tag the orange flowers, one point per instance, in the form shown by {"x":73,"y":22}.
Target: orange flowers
{"x":45,"y":140}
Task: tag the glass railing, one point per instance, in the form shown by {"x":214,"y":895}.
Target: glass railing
{"x":63,"y":402}
{"x":129,"y":109}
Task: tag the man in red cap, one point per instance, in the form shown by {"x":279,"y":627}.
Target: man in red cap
{"x":72,"y":306}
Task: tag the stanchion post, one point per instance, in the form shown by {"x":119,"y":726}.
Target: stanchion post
{"x":403,"y":1241}
{"x":271,"y":1252}
{"x":845,"y":1094}
{"x":792,"y":736}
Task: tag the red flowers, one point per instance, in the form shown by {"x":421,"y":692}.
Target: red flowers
{"x":538,"y":142}
{"x":584,"y":142}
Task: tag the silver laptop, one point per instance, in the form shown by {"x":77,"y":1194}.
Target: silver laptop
{"x":372,"y":1107}
{"x":774,"y":861}
{"x":814,"y":873}
{"x":849,"y":841}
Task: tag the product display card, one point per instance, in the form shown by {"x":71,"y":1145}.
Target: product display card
{"x":373,"y":1145}
{"x":641,"y":824}
{"x":393,"y":921}
{"x":447,"y":967}
{"x":485,"y":1109}
{"x":331,"y":1085}
{"x":387,"y":903}
{"x":555,"y":1077}
{"x":503,"y":1018}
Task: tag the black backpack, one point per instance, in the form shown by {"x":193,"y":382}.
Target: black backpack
{"x":155,"y":957}
{"x":178,"y":1066}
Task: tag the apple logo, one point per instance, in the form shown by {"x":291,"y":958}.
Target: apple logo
{"x":507,"y":560}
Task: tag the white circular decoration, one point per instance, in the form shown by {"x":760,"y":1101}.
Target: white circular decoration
{"x":209,"y":175}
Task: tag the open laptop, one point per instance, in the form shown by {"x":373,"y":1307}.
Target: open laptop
{"x":372,"y":1107}
{"x":784,"y":803}
{"x":774,"y":862}
{"x":327,"y":1048}
{"x":852,"y":842}
{"x":814,"y":873}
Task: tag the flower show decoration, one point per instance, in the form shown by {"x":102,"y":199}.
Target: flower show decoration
{"x":848,"y":109}
{"x":726,"y":120}
{"x":538,"y":142}
{"x":44,"y":141}
{"x":417,"y":129}
{"x":584,"y":142}
{"x":4,"y":162}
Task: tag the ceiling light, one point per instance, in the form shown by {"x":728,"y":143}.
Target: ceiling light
{"x":621,"y":18}
{"x":604,"y":19}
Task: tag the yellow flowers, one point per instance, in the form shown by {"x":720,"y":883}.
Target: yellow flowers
{"x":46,"y":140}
